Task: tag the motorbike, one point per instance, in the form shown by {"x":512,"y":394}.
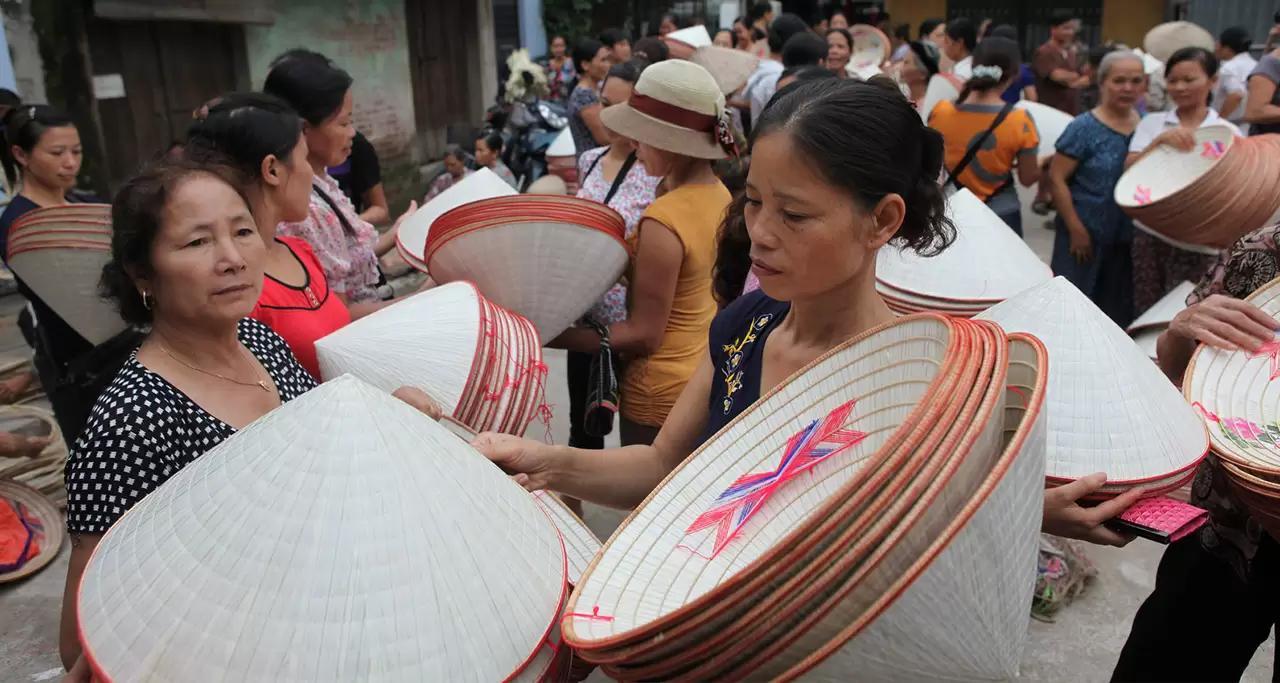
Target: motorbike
{"x":530,"y":127}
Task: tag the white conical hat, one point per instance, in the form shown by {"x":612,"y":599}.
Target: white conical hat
{"x":963,"y":613}
{"x":548,"y":258}
{"x":1147,"y":338}
{"x":580,"y":545}
{"x":1110,"y":408}
{"x":563,"y":145}
{"x":428,"y":341}
{"x":870,"y":48}
{"x":1164,"y":310}
{"x":1165,"y":39}
{"x":942,"y":88}
{"x":1050,"y":124}
{"x":341,"y":537}
{"x":731,"y":68}
{"x":987,"y":263}
{"x":1166,"y":171}
{"x":482,"y":184}
{"x":694,"y":36}
{"x":66,"y":278}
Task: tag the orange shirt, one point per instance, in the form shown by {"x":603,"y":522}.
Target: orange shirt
{"x":963,"y":125}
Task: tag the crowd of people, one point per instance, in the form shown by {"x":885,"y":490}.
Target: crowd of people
{"x":232,"y":255}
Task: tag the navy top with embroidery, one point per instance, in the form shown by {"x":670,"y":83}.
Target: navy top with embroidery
{"x":737,"y":341}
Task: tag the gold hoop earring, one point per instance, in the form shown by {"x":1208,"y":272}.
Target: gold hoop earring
{"x":146,"y":300}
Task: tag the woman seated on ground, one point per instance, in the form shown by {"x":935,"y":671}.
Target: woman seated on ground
{"x":986,"y":138}
{"x":188,"y":261}
{"x":489,"y":155}
{"x":348,"y":247}
{"x":674,"y":117}
{"x":261,"y":138}
{"x":455,"y":169}
{"x":1223,"y":576}
{"x":1092,"y":243}
{"x":822,"y":198}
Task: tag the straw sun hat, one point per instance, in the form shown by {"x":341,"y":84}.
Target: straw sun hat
{"x":677,"y":107}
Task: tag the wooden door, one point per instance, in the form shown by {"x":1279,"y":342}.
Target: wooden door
{"x":442,"y":42}
{"x":168,"y":69}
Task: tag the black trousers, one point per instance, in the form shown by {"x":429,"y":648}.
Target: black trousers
{"x":1202,"y":622}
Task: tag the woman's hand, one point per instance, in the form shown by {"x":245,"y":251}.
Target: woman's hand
{"x":1064,"y":517}
{"x":1081,"y":244}
{"x":1225,"y":323}
{"x":1179,"y":138}
{"x":527,"y":461}
{"x":19,"y":446}
{"x":420,"y":400}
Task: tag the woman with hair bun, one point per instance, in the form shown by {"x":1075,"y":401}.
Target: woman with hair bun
{"x":822,"y":198}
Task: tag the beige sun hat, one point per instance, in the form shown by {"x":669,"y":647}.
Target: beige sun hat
{"x":677,"y":107}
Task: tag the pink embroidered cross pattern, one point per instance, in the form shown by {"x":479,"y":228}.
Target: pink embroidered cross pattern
{"x":1272,"y":349}
{"x":1214,"y":150}
{"x":1142,"y":195}
{"x":808,"y":447}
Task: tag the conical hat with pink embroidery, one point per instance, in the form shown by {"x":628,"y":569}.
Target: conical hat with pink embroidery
{"x":1110,"y":409}
{"x":1238,"y":395}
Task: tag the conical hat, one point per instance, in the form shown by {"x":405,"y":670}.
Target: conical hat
{"x":482,"y":184}
{"x":66,"y":278}
{"x":1147,"y":338}
{"x":428,"y":341}
{"x":1165,"y":171}
{"x":1050,"y":124}
{"x":580,"y":545}
{"x":694,"y":36}
{"x":548,"y":258}
{"x":960,"y":615}
{"x":1110,"y":408}
{"x":942,"y":88}
{"x":731,"y":68}
{"x":343,"y":536}
{"x":1167,"y":38}
{"x":563,"y":145}
{"x":46,"y":524}
{"x":653,"y":572}
{"x":1238,"y":395}
{"x":987,"y":263}
{"x":870,"y":48}
{"x":1162,"y":313}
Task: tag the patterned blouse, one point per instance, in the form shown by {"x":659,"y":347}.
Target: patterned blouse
{"x":1231,"y":533}
{"x":345,"y":250}
{"x":559,"y":81}
{"x":635,"y":195}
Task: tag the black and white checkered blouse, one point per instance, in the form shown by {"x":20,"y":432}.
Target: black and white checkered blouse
{"x":143,"y":430}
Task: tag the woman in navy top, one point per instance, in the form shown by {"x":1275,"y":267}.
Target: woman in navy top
{"x":47,"y":149}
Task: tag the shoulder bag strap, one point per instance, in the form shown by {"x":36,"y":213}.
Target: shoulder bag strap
{"x":594,"y":162}
{"x":973,"y":149}
{"x":621,"y":177}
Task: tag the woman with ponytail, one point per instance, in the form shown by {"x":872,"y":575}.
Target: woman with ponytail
{"x":986,"y":138}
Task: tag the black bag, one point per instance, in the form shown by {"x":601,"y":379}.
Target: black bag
{"x":602,"y":388}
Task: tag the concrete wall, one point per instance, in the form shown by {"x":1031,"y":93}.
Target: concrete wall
{"x":28,"y":68}
{"x":366,"y":38}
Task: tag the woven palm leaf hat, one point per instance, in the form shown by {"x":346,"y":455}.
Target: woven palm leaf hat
{"x":411,"y":238}
{"x":1110,"y":409}
{"x":1237,"y":394}
{"x":1167,"y":38}
{"x":547,"y":258}
{"x":905,"y":424}
{"x":677,"y":107}
{"x":731,"y":68}
{"x":481,"y":362}
{"x":987,"y":264}
{"x":45,"y":528}
{"x":344,"y":536}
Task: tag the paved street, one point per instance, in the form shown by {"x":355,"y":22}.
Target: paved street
{"x":1082,"y":645}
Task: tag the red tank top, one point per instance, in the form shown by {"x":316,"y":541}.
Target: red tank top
{"x":301,"y":315}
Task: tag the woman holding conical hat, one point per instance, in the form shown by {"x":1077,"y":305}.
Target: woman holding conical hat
{"x":822,"y":199}
{"x":677,"y":118}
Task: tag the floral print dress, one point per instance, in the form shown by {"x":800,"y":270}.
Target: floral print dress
{"x":342,"y":240}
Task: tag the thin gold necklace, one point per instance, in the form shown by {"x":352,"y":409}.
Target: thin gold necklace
{"x":260,"y":383}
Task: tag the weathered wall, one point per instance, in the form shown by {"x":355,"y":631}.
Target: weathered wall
{"x":27,"y":66}
{"x":366,"y":38}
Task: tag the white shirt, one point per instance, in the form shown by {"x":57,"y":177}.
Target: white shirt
{"x":963,"y":68}
{"x":762,"y":85}
{"x":1233,"y":77}
{"x":1156,"y":123}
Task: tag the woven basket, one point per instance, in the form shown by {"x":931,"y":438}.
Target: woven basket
{"x":46,"y":471}
{"x":1110,"y":409}
{"x":318,"y":544}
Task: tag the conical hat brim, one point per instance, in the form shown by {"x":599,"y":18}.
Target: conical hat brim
{"x":67,"y":280}
{"x":731,"y":68}
{"x":482,"y":184}
{"x":1164,"y":310}
{"x":1163,"y":40}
